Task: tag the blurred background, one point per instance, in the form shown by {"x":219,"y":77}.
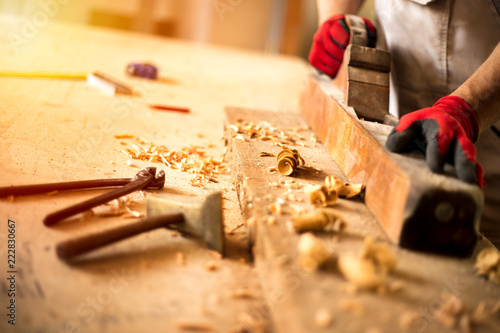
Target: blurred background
{"x":273,"y":26}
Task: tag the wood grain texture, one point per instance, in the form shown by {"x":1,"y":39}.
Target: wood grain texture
{"x":59,"y":130}
{"x":363,"y":78}
{"x":399,"y":189}
{"x":294,"y":296}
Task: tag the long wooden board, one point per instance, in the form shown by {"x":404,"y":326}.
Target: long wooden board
{"x":294,"y":297}
{"x":418,"y":209}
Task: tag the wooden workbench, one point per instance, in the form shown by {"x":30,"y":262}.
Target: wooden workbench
{"x":61,"y":130}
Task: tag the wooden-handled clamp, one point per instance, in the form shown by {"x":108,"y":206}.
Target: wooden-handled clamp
{"x":418,"y":209}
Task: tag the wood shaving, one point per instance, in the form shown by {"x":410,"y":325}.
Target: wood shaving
{"x":369,"y":268}
{"x":265,"y":154}
{"x":318,"y":220}
{"x":216,"y":254}
{"x":321,"y":196}
{"x":352,"y":306}
{"x":88,"y":214}
{"x":244,"y":293}
{"x":192,"y":159}
{"x":251,"y":323}
{"x":276,"y":208}
{"x":485,"y":317}
{"x":452,"y":309}
{"x":312,"y":252}
{"x":211,"y":266}
{"x":323,"y":318}
{"x":406,"y":319}
{"x":345,"y":190}
{"x":271,"y":220}
{"x":453,"y":314}
{"x":124,"y":206}
{"x":488,"y":264}
{"x":264,"y":131}
{"x":200,"y":326}
{"x":288,"y":161}
{"x":180,"y":258}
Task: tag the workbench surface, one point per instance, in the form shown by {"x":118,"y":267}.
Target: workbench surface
{"x":62,"y":130}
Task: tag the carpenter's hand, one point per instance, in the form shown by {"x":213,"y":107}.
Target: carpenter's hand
{"x":330,"y":41}
{"x":446,"y":132}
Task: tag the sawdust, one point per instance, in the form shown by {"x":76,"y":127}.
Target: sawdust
{"x":125,"y":206}
{"x":192,"y":159}
{"x":264,"y":131}
{"x":453,"y":314}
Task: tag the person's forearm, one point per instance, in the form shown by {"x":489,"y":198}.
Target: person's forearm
{"x":328,"y":8}
{"x":482,"y":91}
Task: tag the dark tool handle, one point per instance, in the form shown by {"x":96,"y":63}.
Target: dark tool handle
{"x":99,"y":200}
{"x":64,"y":186}
{"x":75,"y":247}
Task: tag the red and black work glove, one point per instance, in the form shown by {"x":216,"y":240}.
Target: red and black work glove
{"x":445,"y":132}
{"x":330,"y":42}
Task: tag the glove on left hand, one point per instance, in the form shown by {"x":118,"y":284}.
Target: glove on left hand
{"x":447,"y":130}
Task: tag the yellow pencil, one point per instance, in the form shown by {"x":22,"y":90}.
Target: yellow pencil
{"x":49,"y":75}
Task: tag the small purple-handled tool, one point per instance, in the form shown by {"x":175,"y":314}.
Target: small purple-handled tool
{"x":143,"y":69}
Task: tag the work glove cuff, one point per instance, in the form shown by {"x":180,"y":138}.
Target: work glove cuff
{"x":462,"y":112}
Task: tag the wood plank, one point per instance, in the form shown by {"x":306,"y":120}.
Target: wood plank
{"x":293,"y":296}
{"x":400,"y":192}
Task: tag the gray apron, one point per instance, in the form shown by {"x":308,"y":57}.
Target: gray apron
{"x":436,"y":45}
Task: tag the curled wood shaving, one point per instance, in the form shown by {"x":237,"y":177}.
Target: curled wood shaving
{"x":369,"y":268}
{"x":265,"y":154}
{"x":321,"y":196}
{"x":211,"y":266}
{"x":276,"y":208}
{"x":318,"y":220}
{"x":192,"y":159}
{"x":323,"y":318}
{"x":312,"y":252}
{"x":352,"y":306}
{"x":244,"y":293}
{"x":488,"y":264}
{"x":345,"y":190}
{"x":200,"y":326}
{"x":288,"y":161}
